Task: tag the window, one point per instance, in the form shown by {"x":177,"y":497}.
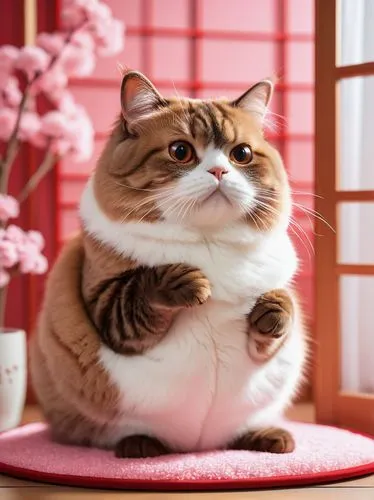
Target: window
{"x":344,"y":387}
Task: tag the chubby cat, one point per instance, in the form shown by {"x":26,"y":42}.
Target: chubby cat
{"x":169,"y":324}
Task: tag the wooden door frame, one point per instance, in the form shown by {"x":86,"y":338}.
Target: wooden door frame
{"x":333,"y":406}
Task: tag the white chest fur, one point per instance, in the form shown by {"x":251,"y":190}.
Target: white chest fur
{"x":198,"y":388}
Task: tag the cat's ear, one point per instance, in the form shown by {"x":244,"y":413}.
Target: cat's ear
{"x":256,"y":100}
{"x":139,"y":98}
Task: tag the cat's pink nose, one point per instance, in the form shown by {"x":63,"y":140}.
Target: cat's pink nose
{"x":218,"y":172}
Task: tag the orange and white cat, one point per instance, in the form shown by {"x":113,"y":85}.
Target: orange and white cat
{"x":169,"y":324}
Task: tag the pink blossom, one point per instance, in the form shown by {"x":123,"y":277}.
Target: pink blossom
{"x":66,"y":104}
{"x":55,"y":124}
{"x":39,"y":140}
{"x":11,"y":92}
{"x":4,"y":77}
{"x":78,"y":61}
{"x":30,"y":258}
{"x":82,"y":136}
{"x":8,"y":57}
{"x":4,"y":278}
{"x":106,"y":32}
{"x":32,"y":61}
{"x":9,"y":207}
{"x":52,"y":43}
{"x":52,"y":82}
{"x":8,"y":119}
{"x":73,"y":14}
{"x":98,"y":12}
{"x":8,"y":254}
{"x":76,"y":12}
{"x":113,"y":40}
{"x":40,"y":265}
{"x":83,"y":39}
{"x":37,"y":239}
{"x":22,"y":249}
{"x":30,"y":126}
{"x":60,"y":147}
{"x":15,"y":234}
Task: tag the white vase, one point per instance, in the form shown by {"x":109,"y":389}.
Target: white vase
{"x":13,"y":377}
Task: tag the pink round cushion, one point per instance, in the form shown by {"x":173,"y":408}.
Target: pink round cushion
{"x":322,"y":454}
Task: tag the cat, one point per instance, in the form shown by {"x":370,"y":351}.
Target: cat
{"x":169,"y":323}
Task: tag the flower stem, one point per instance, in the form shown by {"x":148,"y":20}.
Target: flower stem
{"x":13,"y":144}
{"x":3,"y":296}
{"x":49,"y":161}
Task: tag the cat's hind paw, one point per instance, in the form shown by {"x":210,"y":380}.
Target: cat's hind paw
{"x":140,"y":447}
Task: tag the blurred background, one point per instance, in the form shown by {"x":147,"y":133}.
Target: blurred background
{"x":199,"y":48}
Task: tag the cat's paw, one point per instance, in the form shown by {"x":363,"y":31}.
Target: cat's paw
{"x":270,"y":439}
{"x":140,"y":447}
{"x":181,"y":285}
{"x":269,"y":322}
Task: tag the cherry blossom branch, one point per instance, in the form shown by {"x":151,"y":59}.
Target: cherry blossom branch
{"x":13,"y":143}
{"x":49,"y":161}
{"x":3,"y":296}
{"x":65,"y":129}
{"x":15,"y":271}
{"x":12,"y":146}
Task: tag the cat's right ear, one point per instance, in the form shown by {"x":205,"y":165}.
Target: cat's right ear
{"x":139,"y":98}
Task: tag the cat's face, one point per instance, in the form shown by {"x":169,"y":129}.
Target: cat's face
{"x":193,"y":162}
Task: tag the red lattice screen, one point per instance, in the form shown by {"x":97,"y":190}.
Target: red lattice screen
{"x":210,"y":48}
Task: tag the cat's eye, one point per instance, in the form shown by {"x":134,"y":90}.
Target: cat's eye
{"x":181,"y":151}
{"x":241,"y":154}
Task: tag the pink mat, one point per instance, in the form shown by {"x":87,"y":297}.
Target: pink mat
{"x":322,"y":454}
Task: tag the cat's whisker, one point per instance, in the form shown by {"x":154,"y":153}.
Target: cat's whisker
{"x":307,"y":193}
{"x":167,"y":200}
{"x":140,"y":205}
{"x":132,"y":187}
{"x":314,"y":214}
{"x":174,"y":206}
{"x":303,"y":232}
{"x":181,"y":207}
{"x":260,"y":219}
{"x":149,"y":199}
{"x":293,"y":226}
{"x":121,"y":184}
{"x":190,"y":207}
{"x":301,"y":240}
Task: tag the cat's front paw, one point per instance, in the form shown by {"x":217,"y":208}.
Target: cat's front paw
{"x":269,"y":322}
{"x":181,"y":285}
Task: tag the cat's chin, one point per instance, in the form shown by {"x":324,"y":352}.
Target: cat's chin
{"x":216,"y":197}
{"x":214,"y":213}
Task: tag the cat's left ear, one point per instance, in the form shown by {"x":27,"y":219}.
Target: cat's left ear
{"x":139,"y":98}
{"x":257,"y":99}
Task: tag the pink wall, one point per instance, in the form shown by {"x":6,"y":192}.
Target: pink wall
{"x":214,"y":48}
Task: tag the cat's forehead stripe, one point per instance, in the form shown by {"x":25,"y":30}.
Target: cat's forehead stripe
{"x":208,"y":121}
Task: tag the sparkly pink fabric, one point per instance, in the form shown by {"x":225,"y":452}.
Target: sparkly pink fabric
{"x":319,"y":450}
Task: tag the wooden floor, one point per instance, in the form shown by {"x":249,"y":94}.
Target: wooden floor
{"x":360,"y":489}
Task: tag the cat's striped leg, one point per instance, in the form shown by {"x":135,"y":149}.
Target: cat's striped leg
{"x":133,"y":311}
{"x":270,"y":323}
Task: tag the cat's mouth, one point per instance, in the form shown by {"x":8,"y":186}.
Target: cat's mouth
{"x":216,"y":193}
